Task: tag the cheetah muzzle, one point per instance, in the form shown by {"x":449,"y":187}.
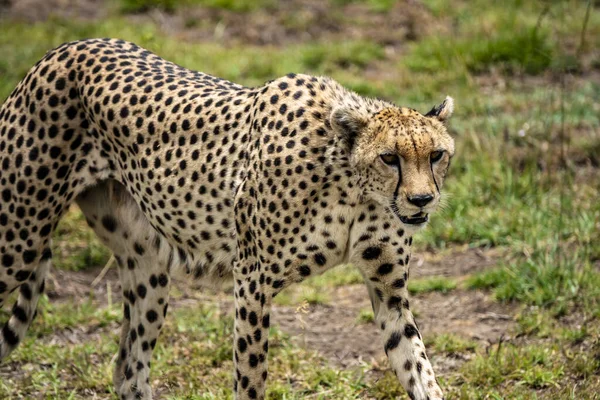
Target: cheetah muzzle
{"x":184,"y":174}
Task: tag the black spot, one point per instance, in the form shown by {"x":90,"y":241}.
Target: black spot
{"x":242,"y":345}
{"x":25,"y":290}
{"x":10,"y":336}
{"x":151,"y":316}
{"x":394,"y":302}
{"x":385,"y":269}
{"x":393,"y":341}
{"x":19,"y":313}
{"x":252,"y":393}
{"x":110,"y":223}
{"x":320,"y":259}
{"x":252,"y":318}
{"x":163,"y":280}
{"x":410,"y":331}
{"x":278,"y":283}
{"x":7,"y":260}
{"x":71,"y":112}
{"x":29,"y":256}
{"x":138,"y":248}
{"x":128,"y":373}
{"x":304,"y":270}
{"x":6,"y":195}
{"x":22,"y":275}
{"x":266,"y":321}
{"x":398,"y":283}
{"x":141,"y":291}
{"x":60,"y":84}
{"x":371,"y":253}
{"x":42,"y":172}
{"x":253,"y":360}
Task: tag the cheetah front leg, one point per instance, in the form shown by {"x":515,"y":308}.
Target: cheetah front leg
{"x":382,"y":256}
{"x":251,"y":332}
{"x":403,"y":343}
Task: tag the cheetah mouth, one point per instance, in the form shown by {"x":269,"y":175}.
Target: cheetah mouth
{"x":416,"y":219}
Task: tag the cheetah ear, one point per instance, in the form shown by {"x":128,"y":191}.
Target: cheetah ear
{"x":443,"y":111}
{"x":349,"y":123}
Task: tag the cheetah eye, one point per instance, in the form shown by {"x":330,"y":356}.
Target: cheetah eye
{"x":390,"y":159}
{"x":436,"y":156}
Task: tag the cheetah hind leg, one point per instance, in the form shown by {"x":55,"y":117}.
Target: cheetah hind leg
{"x":30,"y":280}
{"x":142,"y":259}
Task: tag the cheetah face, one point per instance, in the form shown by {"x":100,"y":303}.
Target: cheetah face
{"x":401,"y":157}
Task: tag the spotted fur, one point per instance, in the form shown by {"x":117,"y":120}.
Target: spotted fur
{"x":179,"y":172}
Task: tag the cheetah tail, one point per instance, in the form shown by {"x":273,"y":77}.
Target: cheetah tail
{"x":24,"y":310}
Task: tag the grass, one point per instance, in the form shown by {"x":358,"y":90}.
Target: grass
{"x":525,"y":178}
{"x":242,"y":6}
{"x":193,"y":357}
{"x":435,"y":284}
{"x":375,"y":5}
{"x":365,"y":316}
{"x":319,"y":289}
{"x":450,"y":344}
{"x":75,"y":248}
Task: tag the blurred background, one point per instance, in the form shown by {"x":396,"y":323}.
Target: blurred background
{"x":506,"y":278}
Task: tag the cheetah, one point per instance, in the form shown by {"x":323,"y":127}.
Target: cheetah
{"x":184,"y":174}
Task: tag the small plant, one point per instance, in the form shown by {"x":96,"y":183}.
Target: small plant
{"x":76,"y":246}
{"x":365,"y":316}
{"x":133,"y":6}
{"x":451,"y":344}
{"x":435,"y":284}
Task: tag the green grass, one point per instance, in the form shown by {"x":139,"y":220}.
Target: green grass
{"x":75,"y":246}
{"x":319,"y":289}
{"x":435,"y":284}
{"x":193,"y":357}
{"x":544,"y":280}
{"x":374,"y":5}
{"x":531,"y":366}
{"x":526,"y":50}
{"x":450,"y":344}
{"x":519,"y":371}
{"x":365,"y":316}
{"x":133,"y":6}
{"x":73,"y":315}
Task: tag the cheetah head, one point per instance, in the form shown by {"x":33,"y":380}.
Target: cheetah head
{"x":400,"y":156}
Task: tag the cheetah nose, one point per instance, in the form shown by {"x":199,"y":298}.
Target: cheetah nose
{"x":420,"y":200}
